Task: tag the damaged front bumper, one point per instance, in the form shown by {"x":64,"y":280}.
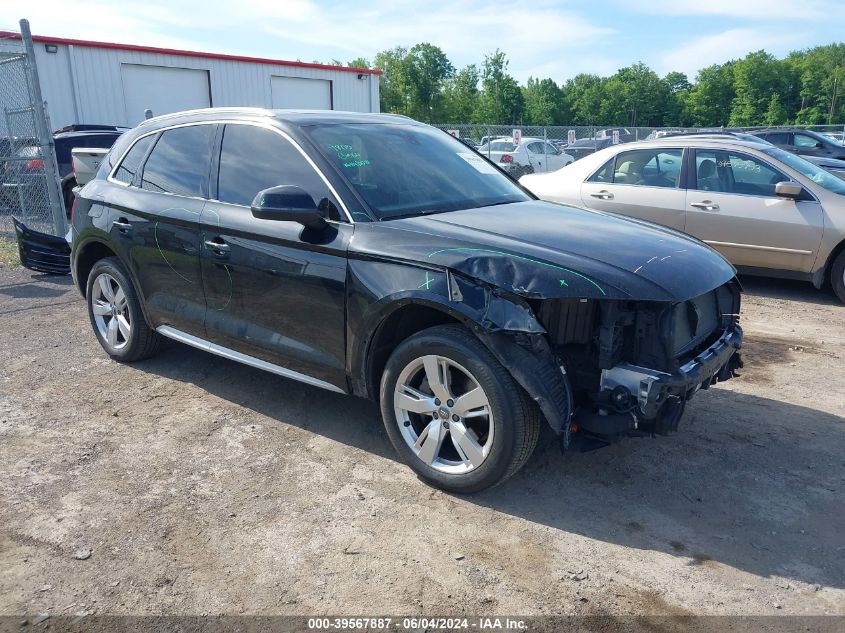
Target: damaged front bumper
{"x":639,"y":399}
{"x":651,"y":388}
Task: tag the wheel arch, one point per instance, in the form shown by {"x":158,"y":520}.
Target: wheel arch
{"x":396,"y":325}
{"x":87,"y":256}
{"x":822,"y":276}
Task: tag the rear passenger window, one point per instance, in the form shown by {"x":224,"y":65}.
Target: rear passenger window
{"x":605,"y":174}
{"x":129,"y":167}
{"x":180,"y":161}
{"x":648,"y":167}
{"x":254,"y":158}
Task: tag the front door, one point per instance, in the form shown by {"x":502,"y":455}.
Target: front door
{"x":275,"y":290}
{"x":731,"y":205}
{"x":640,"y":183}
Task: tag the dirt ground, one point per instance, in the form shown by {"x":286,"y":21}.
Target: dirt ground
{"x":201,"y":486}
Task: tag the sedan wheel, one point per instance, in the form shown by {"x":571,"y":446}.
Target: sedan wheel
{"x":443,"y":415}
{"x":111,"y":311}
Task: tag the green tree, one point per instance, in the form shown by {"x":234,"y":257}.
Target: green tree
{"x":820,"y":73}
{"x":460,"y":94}
{"x":583,"y":96}
{"x":635,"y":95}
{"x":427,"y":69}
{"x":393,"y":80}
{"x":501,"y":100}
{"x":757,"y":78}
{"x":678,"y":88}
{"x":544,"y":103}
{"x":709,"y":101}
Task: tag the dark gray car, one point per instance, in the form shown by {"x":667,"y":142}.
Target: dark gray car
{"x":803,"y":142}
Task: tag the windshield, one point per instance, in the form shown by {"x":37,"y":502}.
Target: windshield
{"x":815,"y":173}
{"x":407,"y":170}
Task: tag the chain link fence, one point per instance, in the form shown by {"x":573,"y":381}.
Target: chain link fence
{"x":29,"y":184}
{"x":547,"y":148}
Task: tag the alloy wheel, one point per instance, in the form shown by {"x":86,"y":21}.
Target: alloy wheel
{"x":111,"y":311}
{"x":443,"y":414}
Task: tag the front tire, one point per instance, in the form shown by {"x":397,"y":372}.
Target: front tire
{"x":115,"y":313}
{"x":453,"y":413}
{"x":837,"y":276}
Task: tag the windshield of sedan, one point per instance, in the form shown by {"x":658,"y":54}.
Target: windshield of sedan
{"x":409,"y":170}
{"x":820,"y":176}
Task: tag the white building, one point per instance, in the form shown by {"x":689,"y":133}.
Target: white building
{"x":113,"y":84}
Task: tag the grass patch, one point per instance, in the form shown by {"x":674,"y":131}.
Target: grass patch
{"x":8,"y":253}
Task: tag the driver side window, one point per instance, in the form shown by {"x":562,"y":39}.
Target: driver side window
{"x":805,"y":142}
{"x":731,"y":172}
{"x":254,"y":158}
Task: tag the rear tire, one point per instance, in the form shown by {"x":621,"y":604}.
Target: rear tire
{"x":837,"y":276}
{"x":115,"y":313}
{"x":470,"y":444}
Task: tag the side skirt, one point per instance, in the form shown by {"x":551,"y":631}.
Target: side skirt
{"x":225,"y":352}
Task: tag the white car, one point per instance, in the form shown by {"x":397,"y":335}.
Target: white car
{"x":768,"y":211}
{"x":530,"y":156}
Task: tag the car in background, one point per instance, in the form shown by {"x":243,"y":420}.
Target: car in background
{"x":529,"y":156}
{"x":625,"y":135}
{"x":26,"y":168}
{"x":768,"y":211}
{"x":833,"y":165}
{"x":586,"y":146}
{"x":231,"y":230}
{"x":839,"y":137}
{"x":804,"y":142}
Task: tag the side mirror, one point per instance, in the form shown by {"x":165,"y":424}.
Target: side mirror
{"x":787,"y":189}
{"x":819,"y":145}
{"x":288,"y":203}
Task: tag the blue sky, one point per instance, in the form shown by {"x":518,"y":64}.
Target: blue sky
{"x":542,"y":38}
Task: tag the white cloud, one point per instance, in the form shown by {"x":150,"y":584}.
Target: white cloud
{"x":721,"y":47}
{"x":758,"y":10}
{"x":539,"y":37}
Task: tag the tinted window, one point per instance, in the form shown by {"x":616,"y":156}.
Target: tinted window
{"x":535,"y":148}
{"x":648,"y":167}
{"x":403,"y":170}
{"x":777,"y":138}
{"x":254,"y":158}
{"x":730,"y":172}
{"x":605,"y":174}
{"x":805,"y":142}
{"x":179,"y":162}
{"x":129,"y":167}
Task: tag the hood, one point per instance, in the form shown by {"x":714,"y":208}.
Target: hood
{"x":542,"y":249}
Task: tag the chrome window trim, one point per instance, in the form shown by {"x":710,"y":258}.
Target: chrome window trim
{"x":225,"y":352}
{"x":224,"y":121}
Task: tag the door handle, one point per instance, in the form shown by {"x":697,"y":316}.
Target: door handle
{"x":218,"y":246}
{"x":603,"y":195}
{"x":705,"y":205}
{"x":122,"y":225}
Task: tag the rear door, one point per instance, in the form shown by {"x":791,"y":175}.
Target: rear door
{"x":155,"y":222}
{"x":275,"y":290}
{"x":640,"y":183}
{"x":731,"y":205}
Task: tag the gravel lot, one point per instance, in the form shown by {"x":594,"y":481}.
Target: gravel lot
{"x":203,"y":487}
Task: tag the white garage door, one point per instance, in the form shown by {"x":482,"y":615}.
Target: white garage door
{"x":296,"y":92}
{"x":162,"y":90}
